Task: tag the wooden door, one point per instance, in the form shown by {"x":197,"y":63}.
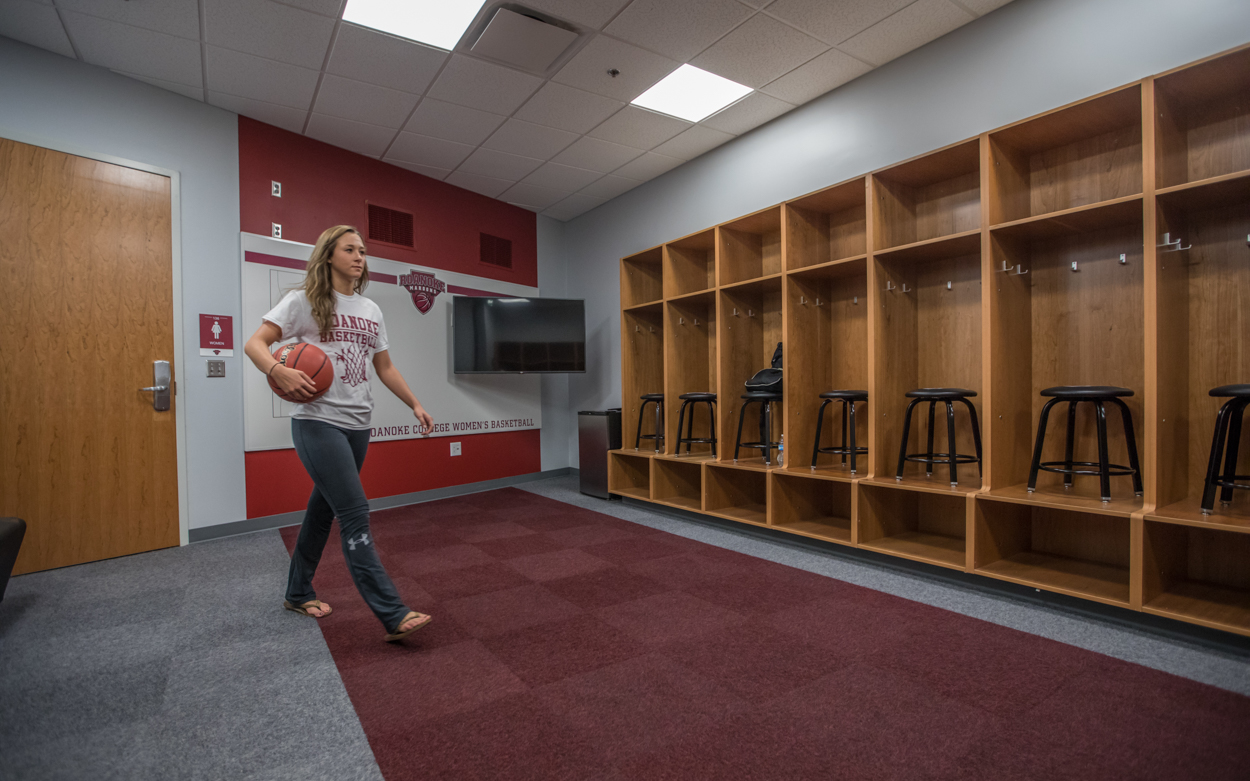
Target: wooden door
{"x":86,"y":306}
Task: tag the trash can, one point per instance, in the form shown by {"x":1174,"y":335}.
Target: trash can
{"x":598,"y":432}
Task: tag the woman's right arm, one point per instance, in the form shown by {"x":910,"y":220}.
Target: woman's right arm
{"x":294,"y":382}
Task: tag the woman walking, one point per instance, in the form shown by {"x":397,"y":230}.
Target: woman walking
{"x":331,"y":434}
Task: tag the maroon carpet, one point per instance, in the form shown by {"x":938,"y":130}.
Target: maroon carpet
{"x":567,"y":644}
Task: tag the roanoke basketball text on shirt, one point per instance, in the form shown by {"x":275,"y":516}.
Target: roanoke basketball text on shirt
{"x":354,"y":330}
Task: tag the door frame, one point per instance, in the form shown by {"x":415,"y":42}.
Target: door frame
{"x":175,"y":224}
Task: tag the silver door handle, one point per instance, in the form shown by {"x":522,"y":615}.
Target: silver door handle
{"x":160,"y":391}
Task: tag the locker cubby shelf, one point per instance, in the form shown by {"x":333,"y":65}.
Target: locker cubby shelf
{"x":813,"y":507}
{"x":750,"y":247}
{"x":629,"y":474}
{"x":930,"y":197}
{"x":1197,"y":575}
{"x":1075,"y":553}
{"x":749,"y":329}
{"x":1202,"y":120}
{"x":692,"y":356}
{"x":918,"y":525}
{"x":690,"y":264}
{"x":1085,"y":154}
{"x":736,"y":493}
{"x":678,"y":481}
{"x":641,"y":278}
{"x":642,"y":366}
{"x":827,"y":226}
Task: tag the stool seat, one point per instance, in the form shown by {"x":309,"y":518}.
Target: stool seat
{"x":697,"y":396}
{"x":940,"y":393}
{"x":761,"y":396}
{"x":1231,"y":391}
{"x":848,"y":395}
{"x":1090,"y":392}
{"x":652,"y":397}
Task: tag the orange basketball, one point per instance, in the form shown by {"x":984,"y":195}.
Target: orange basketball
{"x":309,"y":359}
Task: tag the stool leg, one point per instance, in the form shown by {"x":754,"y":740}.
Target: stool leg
{"x":1041,"y":439}
{"x":1217,"y":450}
{"x":638,"y":437}
{"x":766,"y":431}
{"x":820,"y":420}
{"x":902,"y":451}
{"x":976,"y":434}
{"x":711,"y":408}
{"x":689,"y":425}
{"x":1131,"y":439}
{"x":843,"y":430}
{"x":1068,"y":446}
{"x":950,"y":442}
{"x":741,"y":417}
{"x":659,"y":425}
{"x":928,"y":467}
{"x":1230,"y":455}
{"x":1104,"y":469}
{"x":681,"y":420}
{"x":854,"y":450}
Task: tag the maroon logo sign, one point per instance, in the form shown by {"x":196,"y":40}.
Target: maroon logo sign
{"x":424,"y":289}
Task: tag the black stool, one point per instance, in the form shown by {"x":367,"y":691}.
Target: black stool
{"x":1227,"y":430}
{"x":658,"y":436}
{"x":691,"y":399}
{"x":945,"y":396}
{"x":766,"y":443}
{"x":848,"y":399}
{"x":1098,"y":395}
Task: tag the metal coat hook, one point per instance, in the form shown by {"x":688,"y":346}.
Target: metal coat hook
{"x":696,"y":322}
{"x":637,"y":329}
{"x":818,"y":302}
{"x":1124,"y":258}
{"x":1006,"y":267}
{"x":736,"y":313}
{"x":1074,"y":266}
{"x":1169,"y":245}
{"x":750,"y":313}
{"x":802,"y":301}
{"x":1020,"y":270}
{"x":855,"y":300}
{"x":906,"y":289}
{"x":889,"y":286}
{"x":948,"y":284}
{"x":681,"y":321}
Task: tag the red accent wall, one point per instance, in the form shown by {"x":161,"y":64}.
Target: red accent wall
{"x":323,"y":185}
{"x":277,"y":482}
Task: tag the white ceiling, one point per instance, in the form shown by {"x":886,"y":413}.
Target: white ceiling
{"x":559,"y":143}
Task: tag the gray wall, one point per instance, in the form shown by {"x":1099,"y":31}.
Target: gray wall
{"x":1025,"y":58}
{"x":558,"y":428}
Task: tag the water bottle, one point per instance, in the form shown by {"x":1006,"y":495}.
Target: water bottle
{"x":781,"y":451}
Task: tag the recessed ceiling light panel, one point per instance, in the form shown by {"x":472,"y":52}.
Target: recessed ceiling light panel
{"x":691,"y":94}
{"x":438,"y":23}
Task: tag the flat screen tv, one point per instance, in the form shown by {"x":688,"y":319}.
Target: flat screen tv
{"x":518,"y":335}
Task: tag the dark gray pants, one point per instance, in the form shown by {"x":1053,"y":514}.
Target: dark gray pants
{"x":333,"y":457}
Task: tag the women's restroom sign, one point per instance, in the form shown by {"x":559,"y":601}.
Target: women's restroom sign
{"x":217,"y":335}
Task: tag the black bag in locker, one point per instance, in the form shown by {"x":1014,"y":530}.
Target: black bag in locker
{"x":768,"y":380}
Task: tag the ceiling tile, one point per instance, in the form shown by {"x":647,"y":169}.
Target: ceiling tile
{"x":982,"y":7}
{"x":531,"y":196}
{"x":639,"y":128}
{"x":131,"y":49}
{"x":816,"y":77}
{"x":693,"y":142}
{"x":568,"y":108}
{"x":482,"y":185}
{"x":591,"y":13}
{"x":610,"y":186}
{"x":528,"y":140}
{"x":354,"y":100}
{"x":833,"y":21}
{"x":750,"y":112}
{"x":759,"y":51}
{"x":677,"y":30}
{"x":451,"y":122}
{"x":368,"y":140}
{"x":427,"y":151}
{"x":434,"y":173}
{"x":498,"y":165}
{"x":195,"y":93}
{"x":649,"y":166}
{"x":910,"y":28}
{"x":279,"y":116}
{"x":639,"y":69}
{"x":323,"y":7}
{"x":172,"y":17}
{"x":573,"y":206}
{"x":246,"y":76}
{"x":267,"y":29}
{"x":562,"y":177}
{"x":483,"y":85}
{"x":35,"y":24}
{"x":377,"y":58}
{"x":596,"y":155}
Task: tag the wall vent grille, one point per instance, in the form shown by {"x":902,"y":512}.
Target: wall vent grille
{"x":496,"y":251}
{"x":390,"y":226}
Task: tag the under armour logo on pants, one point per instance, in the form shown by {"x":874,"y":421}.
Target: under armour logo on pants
{"x":351,"y":544}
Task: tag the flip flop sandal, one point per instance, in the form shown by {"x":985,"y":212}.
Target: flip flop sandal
{"x":302,"y":609}
{"x":393,"y":636}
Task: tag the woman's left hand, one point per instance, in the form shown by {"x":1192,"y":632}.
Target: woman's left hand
{"x":427,"y":422}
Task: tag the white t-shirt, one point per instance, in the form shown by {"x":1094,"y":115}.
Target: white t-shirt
{"x":358,"y":333}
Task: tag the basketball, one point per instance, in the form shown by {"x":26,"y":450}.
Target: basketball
{"x":310,"y":360}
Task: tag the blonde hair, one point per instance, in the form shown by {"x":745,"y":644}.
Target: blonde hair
{"x":319,"y":283}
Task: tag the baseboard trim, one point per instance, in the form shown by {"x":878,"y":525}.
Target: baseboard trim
{"x":385,"y":503}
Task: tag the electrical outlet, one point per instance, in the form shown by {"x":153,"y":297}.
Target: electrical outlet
{"x":455,"y":448}
{"x":276,"y":189}
{"x":216,"y":368}
{"x":277,"y":230}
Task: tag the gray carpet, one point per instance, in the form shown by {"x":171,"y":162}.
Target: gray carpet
{"x":181,"y":664}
